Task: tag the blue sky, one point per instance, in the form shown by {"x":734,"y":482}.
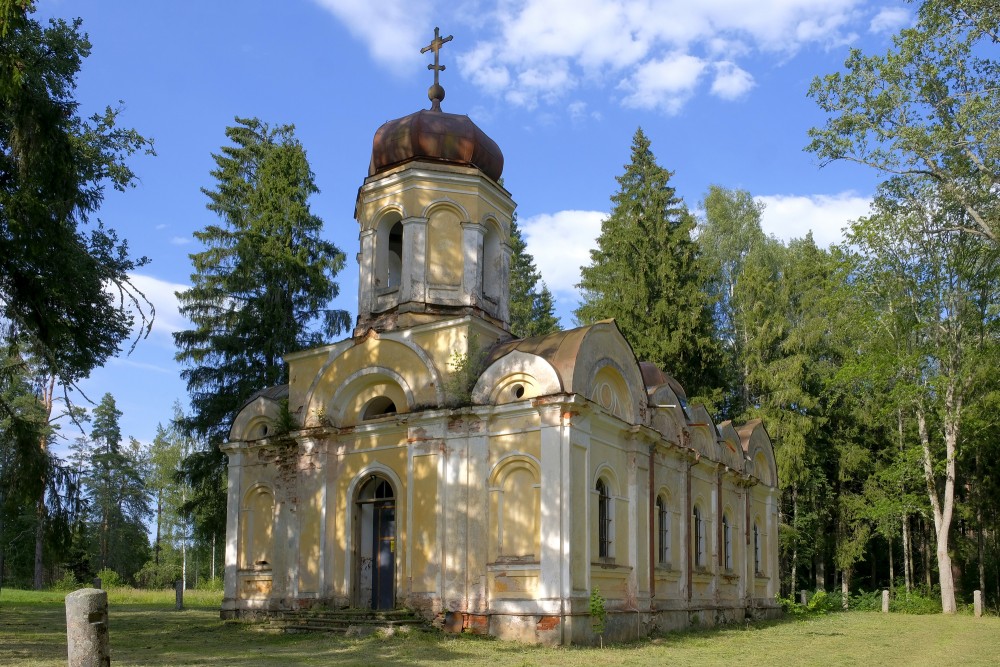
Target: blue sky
{"x":719,"y":86}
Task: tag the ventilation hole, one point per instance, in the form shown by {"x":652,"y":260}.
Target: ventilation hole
{"x":264,"y":430}
{"x":517,"y":390}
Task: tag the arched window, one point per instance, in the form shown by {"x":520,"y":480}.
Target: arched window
{"x":603,"y":520}
{"x":756,"y":548}
{"x":394,"y":263}
{"x":388,"y":252}
{"x":492,"y":258}
{"x":699,"y":538}
{"x":663,"y":531}
{"x":380,"y":406}
{"x":727,"y":543}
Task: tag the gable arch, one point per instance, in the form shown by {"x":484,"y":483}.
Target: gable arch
{"x":501,"y":381}
{"x":256,"y":420}
{"x":396,"y":357}
{"x":609,"y":389}
{"x":361,"y":390}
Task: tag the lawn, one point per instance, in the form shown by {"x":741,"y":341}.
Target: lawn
{"x":146,"y":630}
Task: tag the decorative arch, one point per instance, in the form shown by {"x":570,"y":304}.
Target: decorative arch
{"x":365,"y":394}
{"x":256,"y":420}
{"x":609,"y":389}
{"x":515,"y":509}
{"x":257,"y":516}
{"x":516,"y":376}
{"x":424,"y":384}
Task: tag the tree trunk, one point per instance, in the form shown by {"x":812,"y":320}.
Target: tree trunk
{"x":159,"y":522}
{"x":942,"y":509}
{"x":907,"y":556}
{"x":213,"y":556}
{"x":40,"y":514}
{"x":40,"y":510}
{"x":795,"y":546}
{"x":892,"y":569}
{"x":845,"y":587}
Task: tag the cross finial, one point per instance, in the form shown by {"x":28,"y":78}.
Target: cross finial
{"x":436,"y":93}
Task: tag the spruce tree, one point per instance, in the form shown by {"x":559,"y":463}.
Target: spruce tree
{"x":532,"y":310}
{"x":645,"y":273}
{"x":261,"y":288}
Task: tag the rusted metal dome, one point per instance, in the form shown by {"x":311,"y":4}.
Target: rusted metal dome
{"x":436,"y":136}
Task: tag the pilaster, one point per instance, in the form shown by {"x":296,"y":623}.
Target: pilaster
{"x":413,"y":282}
{"x":472,"y":252}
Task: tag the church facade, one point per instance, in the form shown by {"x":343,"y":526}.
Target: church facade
{"x":498,"y":484}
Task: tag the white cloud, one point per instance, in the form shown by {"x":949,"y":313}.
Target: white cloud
{"x":649,"y":47}
{"x":574,"y":233}
{"x":793,"y":216}
{"x":161,"y":294}
{"x":180,"y":240}
{"x":889,"y":19}
{"x":393,"y":30}
{"x":731,"y":82}
{"x":532,"y":52}
{"x":664,"y":84}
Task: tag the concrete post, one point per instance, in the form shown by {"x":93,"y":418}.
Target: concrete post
{"x":87,"y":639}
{"x":802,"y":597}
{"x":885,"y":601}
{"x":97,"y":583}
{"x":179,"y":594}
{"x":977,"y":602}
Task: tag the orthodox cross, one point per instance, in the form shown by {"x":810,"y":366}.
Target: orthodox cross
{"x":436,"y":92}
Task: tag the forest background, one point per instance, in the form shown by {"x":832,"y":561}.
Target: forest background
{"x":871,"y":361}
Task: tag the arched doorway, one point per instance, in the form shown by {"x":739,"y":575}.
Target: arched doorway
{"x":375,"y":560}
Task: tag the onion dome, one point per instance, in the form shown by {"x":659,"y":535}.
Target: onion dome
{"x":434,"y":135}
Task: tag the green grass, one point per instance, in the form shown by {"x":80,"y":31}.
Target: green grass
{"x":146,"y":630}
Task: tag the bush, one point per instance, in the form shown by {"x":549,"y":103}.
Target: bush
{"x":213,"y":585}
{"x":820,"y":603}
{"x":110,"y":579}
{"x":67,"y":584}
{"x":157,"y":576}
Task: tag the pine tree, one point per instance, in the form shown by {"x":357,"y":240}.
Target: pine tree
{"x":117,"y":494}
{"x":532,"y":310}
{"x":645,"y":273}
{"x":261,"y":288}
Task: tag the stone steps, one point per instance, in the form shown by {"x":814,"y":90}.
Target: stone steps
{"x":346,"y":621}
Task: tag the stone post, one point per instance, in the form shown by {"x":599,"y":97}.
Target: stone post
{"x":802,"y":598}
{"x":885,"y":601}
{"x":87,"y":628}
{"x":179,"y":594}
{"x":977,"y":603}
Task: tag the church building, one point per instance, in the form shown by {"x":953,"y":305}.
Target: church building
{"x":500,"y":485}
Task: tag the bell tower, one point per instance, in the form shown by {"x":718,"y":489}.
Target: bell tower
{"x":435,"y":222}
